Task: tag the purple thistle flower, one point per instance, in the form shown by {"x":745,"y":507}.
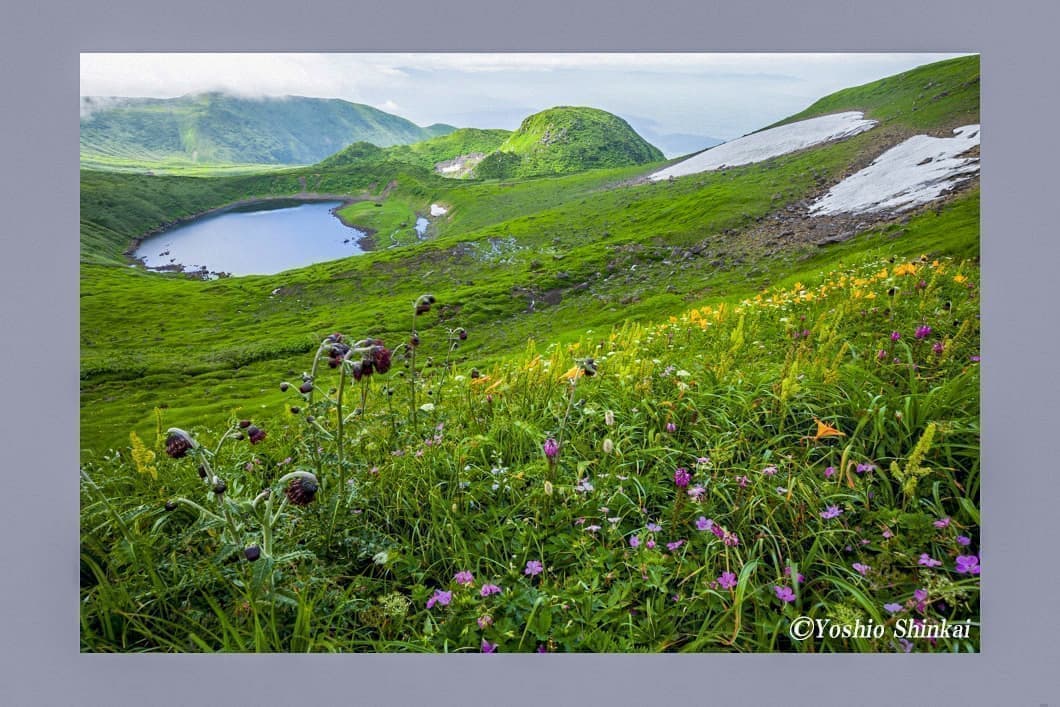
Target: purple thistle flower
{"x":942,"y":523}
{"x":831,"y":512}
{"x":967,"y":564}
{"x":895,"y":336}
{"x":682,"y":477}
{"x":893,"y":608}
{"x":964,"y":540}
{"x":718,"y":531}
{"x":488,"y":589}
{"x":829,"y":472}
{"x":674,"y":545}
{"x":881,"y":355}
{"x":922,"y":332}
{"x":704,"y":523}
{"x":488,"y":647}
{"x":938,"y":347}
{"x":551,"y":448}
{"x":464,"y":578}
{"x":928,"y":561}
{"x":650,"y":544}
{"x":784,"y":594}
{"x":634,"y":542}
{"x":861,"y":569}
{"x":770,"y":470}
{"x":533,"y":567}
{"x":440,"y":597}
{"x":726,"y":580}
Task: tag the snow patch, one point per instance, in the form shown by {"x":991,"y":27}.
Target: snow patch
{"x":437,"y":210}
{"x":914,"y":172}
{"x":760,"y":146}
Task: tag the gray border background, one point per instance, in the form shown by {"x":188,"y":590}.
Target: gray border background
{"x":40,"y":41}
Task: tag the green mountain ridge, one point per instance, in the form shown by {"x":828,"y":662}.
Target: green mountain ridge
{"x":216,"y":128}
{"x":567,"y":139}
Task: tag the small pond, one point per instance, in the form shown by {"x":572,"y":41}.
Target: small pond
{"x":260,"y":239}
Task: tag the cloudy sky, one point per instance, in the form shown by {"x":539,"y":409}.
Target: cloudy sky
{"x":718,"y":95}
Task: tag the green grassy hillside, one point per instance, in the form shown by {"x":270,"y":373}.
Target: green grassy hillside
{"x":426,"y":153}
{"x":215,"y":128}
{"x":939,"y":96}
{"x":565,"y":139}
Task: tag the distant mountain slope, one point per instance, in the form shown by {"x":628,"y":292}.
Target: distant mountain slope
{"x":567,"y":139}
{"x":427,"y":153}
{"x":214,"y":128}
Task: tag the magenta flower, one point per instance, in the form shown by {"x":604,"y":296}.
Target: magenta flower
{"x":488,"y":647}
{"x":682,"y":477}
{"x":967,"y":564}
{"x":674,"y":545}
{"x":787,"y":573}
{"x":895,"y":336}
{"x":696,"y":492}
{"x":488,"y":589}
{"x":829,"y":472}
{"x":743,"y":481}
{"x":938,"y":347}
{"x":922,"y":332}
{"x":551,"y":448}
{"x":881,"y":355}
{"x":650,"y":544}
{"x":634,"y":541}
{"x":831,"y":512}
{"x":726,"y":580}
{"x":730,"y":539}
{"x":920,"y":595}
{"x":464,"y":578}
{"x":974,"y":359}
{"x":942,"y":523}
{"x":928,"y":561}
{"x":964,"y":540}
{"x":704,"y":523}
{"x":862,"y":569}
{"x":671,"y":427}
{"x":533,"y":567}
{"x":887,"y":534}
{"x":769,"y":470}
{"x":440,"y":597}
{"x":784,"y":594}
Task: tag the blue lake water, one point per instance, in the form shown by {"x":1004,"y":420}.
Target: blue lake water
{"x":262,"y":239}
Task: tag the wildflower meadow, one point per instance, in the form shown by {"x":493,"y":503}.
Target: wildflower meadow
{"x":697,"y":483}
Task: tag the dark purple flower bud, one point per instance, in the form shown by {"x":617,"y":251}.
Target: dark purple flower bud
{"x":589,"y":367}
{"x":255,"y":434}
{"x":295,"y":409}
{"x":414,"y":340}
{"x":202,"y":472}
{"x":252,"y":553}
{"x":381,"y":358}
{"x":284,"y":386}
{"x":244,"y":424}
{"x":461,"y":333}
{"x":305,"y":387}
{"x":302,"y":490}
{"x":171,"y":505}
{"x":219,"y":485}
{"x":357,"y":370}
{"x":682,"y":477}
{"x":178,"y":443}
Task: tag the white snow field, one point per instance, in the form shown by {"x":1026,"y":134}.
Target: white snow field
{"x":760,"y":146}
{"x":907,"y":175}
{"x":437,"y":210}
